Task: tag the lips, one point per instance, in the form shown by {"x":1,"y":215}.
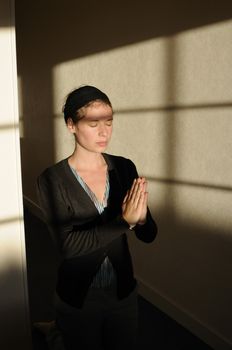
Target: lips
{"x":102,"y":143}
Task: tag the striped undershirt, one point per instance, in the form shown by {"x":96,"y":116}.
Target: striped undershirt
{"x":105,"y":275}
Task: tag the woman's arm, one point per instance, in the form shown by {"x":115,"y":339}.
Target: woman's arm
{"x":75,"y":236}
{"x":89,"y":231}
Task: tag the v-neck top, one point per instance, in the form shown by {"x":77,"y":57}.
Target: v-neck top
{"x":98,"y":204}
{"x":105,"y":275}
{"x":83,"y":236}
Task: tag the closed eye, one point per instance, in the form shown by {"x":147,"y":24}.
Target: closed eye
{"x":93,"y":124}
{"x":109,"y":122}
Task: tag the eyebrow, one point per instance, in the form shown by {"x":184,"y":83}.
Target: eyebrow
{"x":95,"y":119}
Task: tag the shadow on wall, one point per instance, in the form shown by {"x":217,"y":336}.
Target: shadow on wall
{"x":52,"y":32}
{"x":191,"y":262}
{"x":42,"y":263}
{"x":11,"y":304}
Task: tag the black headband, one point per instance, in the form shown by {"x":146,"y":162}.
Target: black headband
{"x":80,"y":98}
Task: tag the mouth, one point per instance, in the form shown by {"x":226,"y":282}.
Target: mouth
{"x":102,"y":143}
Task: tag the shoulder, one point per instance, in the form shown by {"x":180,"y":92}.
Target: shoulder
{"x":55,"y":171}
{"x":117,"y":161}
{"x":124,"y":166}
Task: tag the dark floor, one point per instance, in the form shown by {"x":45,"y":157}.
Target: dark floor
{"x":156,"y":330}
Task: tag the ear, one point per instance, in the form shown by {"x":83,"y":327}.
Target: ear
{"x":71,"y":126}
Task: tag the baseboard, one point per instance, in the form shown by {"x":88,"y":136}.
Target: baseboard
{"x":202,"y":331}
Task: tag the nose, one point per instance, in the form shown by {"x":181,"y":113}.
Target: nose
{"x":102,"y":130}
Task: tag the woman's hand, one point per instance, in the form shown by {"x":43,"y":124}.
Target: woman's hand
{"x":143,"y":215}
{"x":134,"y":207}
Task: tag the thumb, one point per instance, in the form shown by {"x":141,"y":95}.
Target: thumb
{"x":125,"y":198}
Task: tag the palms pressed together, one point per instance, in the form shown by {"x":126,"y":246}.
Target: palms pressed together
{"x":134,"y":207}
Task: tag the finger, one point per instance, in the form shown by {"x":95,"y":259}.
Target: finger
{"x":138,"y":189}
{"x":131,"y":191}
{"x":143,"y":182}
{"x":142,"y":207}
{"x":139,"y":199}
{"x":145,"y":199}
{"x":126,"y":197}
{"x":145,"y":186}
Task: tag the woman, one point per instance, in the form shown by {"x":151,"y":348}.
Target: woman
{"x":92,"y":200}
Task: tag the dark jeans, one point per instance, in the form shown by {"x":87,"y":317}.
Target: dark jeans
{"x":104,"y":322}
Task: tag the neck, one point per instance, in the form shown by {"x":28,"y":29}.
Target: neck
{"x":86,"y":160}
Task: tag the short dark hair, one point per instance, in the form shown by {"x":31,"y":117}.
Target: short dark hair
{"x":82,"y":97}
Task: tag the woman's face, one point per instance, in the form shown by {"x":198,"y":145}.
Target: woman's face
{"x":93,"y":131}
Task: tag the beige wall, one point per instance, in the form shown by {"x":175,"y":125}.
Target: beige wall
{"x":14,"y":316}
{"x":168,"y":73}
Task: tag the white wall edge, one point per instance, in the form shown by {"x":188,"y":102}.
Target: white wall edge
{"x":18,"y":166}
{"x":183,"y":317}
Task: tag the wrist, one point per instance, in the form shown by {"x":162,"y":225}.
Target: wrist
{"x":130,"y":225}
{"x":142,"y":222}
